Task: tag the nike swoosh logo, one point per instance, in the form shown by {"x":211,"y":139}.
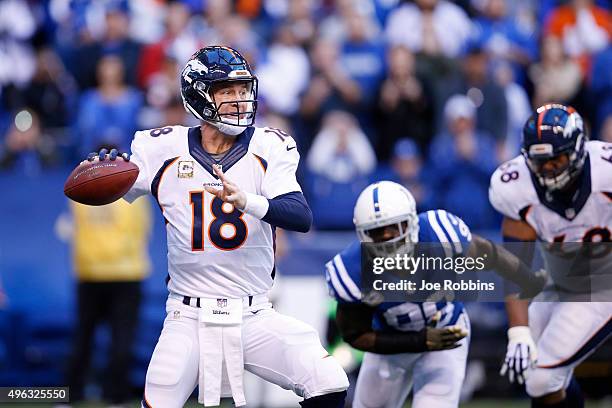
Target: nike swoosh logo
{"x":257,"y":311}
{"x":291,"y":148}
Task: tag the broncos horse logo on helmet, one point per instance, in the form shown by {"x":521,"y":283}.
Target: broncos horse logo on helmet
{"x":554,"y":145}
{"x":208,"y":67}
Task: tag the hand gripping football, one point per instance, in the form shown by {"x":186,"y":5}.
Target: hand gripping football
{"x":100,"y":182}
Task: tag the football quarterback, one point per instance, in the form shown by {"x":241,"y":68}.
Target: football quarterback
{"x":223,"y":187}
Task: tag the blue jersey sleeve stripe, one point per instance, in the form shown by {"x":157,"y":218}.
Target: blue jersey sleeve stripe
{"x":452,"y":233}
{"x":335,"y":283}
{"x":331,"y":290}
{"x":435,"y":226}
{"x":345,"y":278}
{"x":449,"y":241}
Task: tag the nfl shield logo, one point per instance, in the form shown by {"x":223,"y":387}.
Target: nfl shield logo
{"x":221,"y":302}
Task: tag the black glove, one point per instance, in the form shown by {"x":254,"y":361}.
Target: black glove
{"x":102,"y":155}
{"x":445,"y":338}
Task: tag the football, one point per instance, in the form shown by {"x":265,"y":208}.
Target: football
{"x":100,"y":182}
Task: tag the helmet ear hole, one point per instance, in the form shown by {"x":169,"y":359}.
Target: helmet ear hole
{"x":200,"y":87}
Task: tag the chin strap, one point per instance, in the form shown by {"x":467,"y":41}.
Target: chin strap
{"x":230,"y":130}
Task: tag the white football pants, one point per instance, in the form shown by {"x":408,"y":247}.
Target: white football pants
{"x":277,"y":348}
{"x":436,"y":376}
{"x":565,"y":334}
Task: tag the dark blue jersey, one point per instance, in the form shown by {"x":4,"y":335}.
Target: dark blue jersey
{"x":343,"y":274}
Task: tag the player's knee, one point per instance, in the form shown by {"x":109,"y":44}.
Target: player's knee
{"x":329,"y":377}
{"x":542,"y":381}
{"x":331,"y":400}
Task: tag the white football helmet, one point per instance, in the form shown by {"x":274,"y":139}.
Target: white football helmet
{"x":386,"y":203}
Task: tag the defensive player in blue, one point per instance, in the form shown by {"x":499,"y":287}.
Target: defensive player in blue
{"x":419,"y":345}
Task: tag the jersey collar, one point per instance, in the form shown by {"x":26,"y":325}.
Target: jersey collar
{"x":236,"y":152}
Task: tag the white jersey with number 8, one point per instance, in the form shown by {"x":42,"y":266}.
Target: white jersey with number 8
{"x":213,"y":248}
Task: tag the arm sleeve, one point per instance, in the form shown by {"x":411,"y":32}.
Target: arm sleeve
{"x":289,"y":211}
{"x":355,"y":323}
{"x":524,"y":251}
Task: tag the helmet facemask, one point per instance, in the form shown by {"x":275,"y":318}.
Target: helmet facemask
{"x":234,"y":120}
{"x":403,"y":243}
{"x":561,"y":177}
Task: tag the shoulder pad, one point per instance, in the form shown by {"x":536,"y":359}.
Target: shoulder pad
{"x":511,"y":188}
{"x":164,"y":140}
{"x":600,"y":156}
{"x":161,"y":138}
{"x":441,"y":226}
{"x":343,"y":274}
{"x":267,"y":138}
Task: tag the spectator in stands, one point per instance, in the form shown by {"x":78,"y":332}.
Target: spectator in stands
{"x":160,"y":92}
{"x":109,"y":113}
{"x":556,"y":78}
{"x":284,"y":74}
{"x":476,"y":81}
{"x":431,"y":27}
{"x":115,"y":40}
{"x":504,"y":38}
{"x":178,"y":42}
{"x":334,"y":26}
{"x":17,"y":25}
{"x":405,"y":104}
{"x":601,"y":86}
{"x":174,"y":114}
{"x":582,"y":27}
{"x":338,"y":167}
{"x":110,"y":246}
{"x":237,"y":32}
{"x":50,"y":93}
{"x":331,"y":88}
{"x":461,"y":162}
{"x":407,"y":164}
{"x":362,"y":57}
{"x":300,"y":16}
{"x":341,"y":151}
{"x":519,"y":110}
{"x":25,"y":146}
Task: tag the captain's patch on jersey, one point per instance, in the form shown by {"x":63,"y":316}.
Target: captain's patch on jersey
{"x":185,"y":169}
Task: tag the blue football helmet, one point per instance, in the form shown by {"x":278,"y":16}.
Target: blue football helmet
{"x":552,"y":131}
{"x":214,"y":65}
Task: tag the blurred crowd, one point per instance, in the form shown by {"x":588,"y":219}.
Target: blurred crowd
{"x":429,"y":93}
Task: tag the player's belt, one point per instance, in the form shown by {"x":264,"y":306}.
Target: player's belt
{"x":195,"y":302}
{"x":247,"y":301}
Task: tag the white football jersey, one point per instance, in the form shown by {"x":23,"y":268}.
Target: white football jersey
{"x":513,"y":193}
{"x":213,"y":248}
